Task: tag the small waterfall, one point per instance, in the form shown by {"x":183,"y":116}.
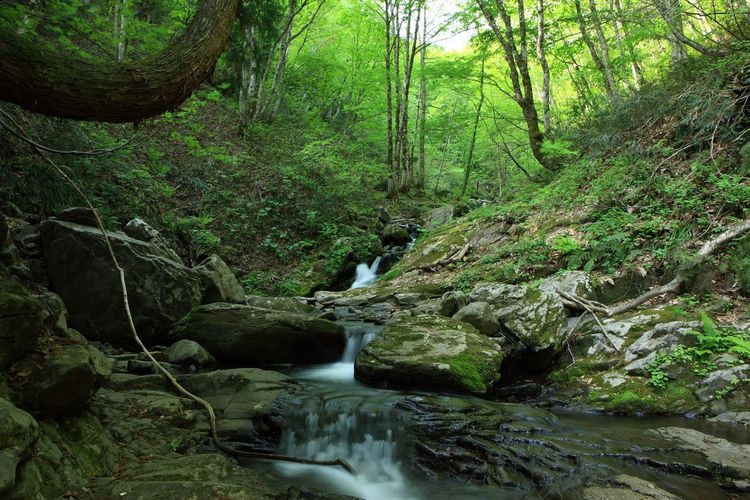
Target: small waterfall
{"x":366,"y":274}
{"x":355,"y":423}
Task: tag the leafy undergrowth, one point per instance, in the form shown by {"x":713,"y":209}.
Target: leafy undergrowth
{"x":270,"y":204}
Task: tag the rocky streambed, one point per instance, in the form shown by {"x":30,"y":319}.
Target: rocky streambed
{"x":84,"y":416}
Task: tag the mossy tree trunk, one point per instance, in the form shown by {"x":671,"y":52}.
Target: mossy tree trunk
{"x":40,"y":79}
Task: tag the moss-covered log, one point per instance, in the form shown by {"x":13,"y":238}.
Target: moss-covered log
{"x":39,"y":79}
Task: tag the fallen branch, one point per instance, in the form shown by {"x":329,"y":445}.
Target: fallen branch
{"x":591,"y":312}
{"x":454,"y":257}
{"x":340,"y":462}
{"x":674,"y":286}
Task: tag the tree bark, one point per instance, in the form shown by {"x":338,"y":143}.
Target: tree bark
{"x":422,"y":104}
{"x":595,"y":56}
{"x":472,"y":143}
{"x":42,"y":80}
{"x":546,"y":95}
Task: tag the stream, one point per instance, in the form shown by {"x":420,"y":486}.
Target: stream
{"x":440,"y":446}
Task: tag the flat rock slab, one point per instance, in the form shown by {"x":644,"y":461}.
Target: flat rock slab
{"x":430,"y":352}
{"x":197,"y":476}
{"x":727,"y":458}
{"x":249,"y":335}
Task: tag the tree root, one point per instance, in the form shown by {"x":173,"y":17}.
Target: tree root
{"x":340,"y":462}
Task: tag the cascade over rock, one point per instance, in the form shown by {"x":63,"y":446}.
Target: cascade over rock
{"x":160,"y":289}
{"x":250,"y":335}
{"x":430,"y":352}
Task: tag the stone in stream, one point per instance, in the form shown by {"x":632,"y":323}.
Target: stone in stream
{"x":430,"y":352}
{"x":533,"y":317}
{"x":160,"y":289}
{"x":245,"y":403}
{"x":395,"y":234}
{"x":624,"y":487}
{"x":250,"y":335}
{"x":188,"y":352}
{"x":205,"y":475}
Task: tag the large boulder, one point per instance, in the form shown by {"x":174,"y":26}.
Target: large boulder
{"x":281,"y":304}
{"x":61,"y":382}
{"x":244,"y":334}
{"x":18,"y":432}
{"x":218,"y":282}
{"x":188,"y":352}
{"x":430,"y":352}
{"x":534,"y":317}
{"x":160,"y":290}
{"x":439,"y":216}
{"x":138,"y":229}
{"x":452,"y":301}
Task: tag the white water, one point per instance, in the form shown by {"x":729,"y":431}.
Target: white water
{"x":350,"y":421}
{"x":366,"y":274}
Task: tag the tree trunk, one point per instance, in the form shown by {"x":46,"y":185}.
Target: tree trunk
{"x":120,"y":23}
{"x":603,"y":46}
{"x":472,"y":143}
{"x":546,"y":95}
{"x":620,"y":32}
{"x":598,"y":61}
{"x":422,"y":104}
{"x":249,"y":74}
{"x":388,"y":80}
{"x":48,"y":82}
{"x":670,"y":12}
{"x":519,"y":73}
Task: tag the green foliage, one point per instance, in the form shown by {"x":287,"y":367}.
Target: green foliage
{"x":710,"y":342}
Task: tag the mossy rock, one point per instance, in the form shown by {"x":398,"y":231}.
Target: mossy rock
{"x":534,"y":317}
{"x":431,"y":352}
{"x":23,"y":319}
{"x":438,"y":245}
{"x":251,"y":336}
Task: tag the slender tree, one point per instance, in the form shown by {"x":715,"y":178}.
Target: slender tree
{"x":516,"y":56}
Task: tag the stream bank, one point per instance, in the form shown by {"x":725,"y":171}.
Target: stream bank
{"x":270,"y":365}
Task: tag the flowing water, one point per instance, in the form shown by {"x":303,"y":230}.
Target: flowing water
{"x":366,"y":274}
{"x":531,"y":453}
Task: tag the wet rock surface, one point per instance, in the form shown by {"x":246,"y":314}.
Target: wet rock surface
{"x":517,"y":451}
{"x":533,"y":317}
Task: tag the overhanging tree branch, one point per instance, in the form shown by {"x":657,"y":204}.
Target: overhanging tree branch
{"x":43,"y":80}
